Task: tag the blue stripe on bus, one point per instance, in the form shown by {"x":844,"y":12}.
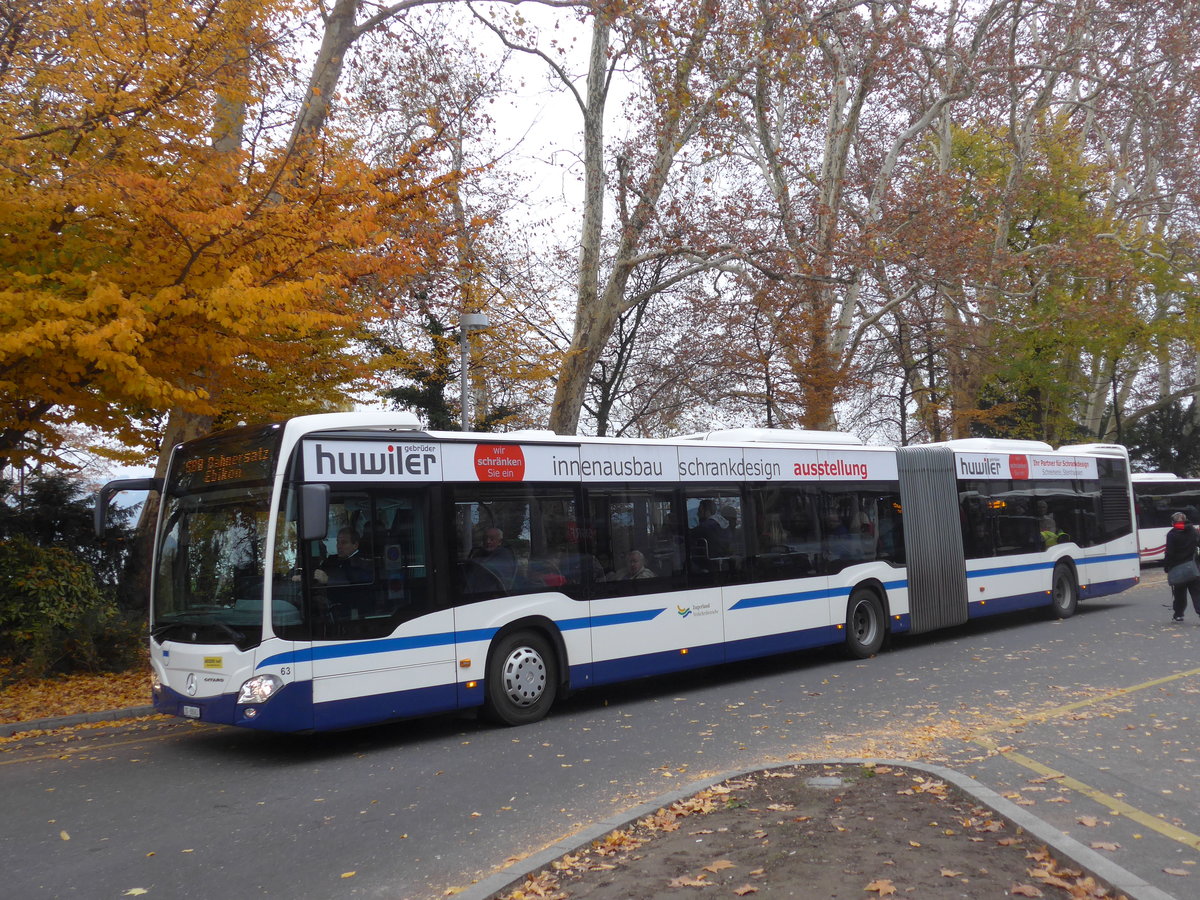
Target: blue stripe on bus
{"x":793,"y":597}
{"x":1009,"y":570}
{"x":444,"y":639}
{"x":1048,"y":564}
{"x":803,"y":596}
{"x":359,"y":648}
{"x":1115,"y":557}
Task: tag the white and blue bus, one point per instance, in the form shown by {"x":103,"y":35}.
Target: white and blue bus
{"x":1157,"y":496}
{"x":338,"y":570}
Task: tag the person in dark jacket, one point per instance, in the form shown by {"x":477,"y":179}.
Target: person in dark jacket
{"x":1182,"y":542}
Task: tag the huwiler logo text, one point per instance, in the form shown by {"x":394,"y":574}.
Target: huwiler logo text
{"x":394,"y":459}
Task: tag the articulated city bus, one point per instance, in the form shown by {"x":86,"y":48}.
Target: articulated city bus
{"x":338,"y":570}
{"x":1157,"y":496}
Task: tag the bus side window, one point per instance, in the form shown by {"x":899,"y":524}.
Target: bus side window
{"x":716,"y":541}
{"x":786,"y":532}
{"x":637,"y":547}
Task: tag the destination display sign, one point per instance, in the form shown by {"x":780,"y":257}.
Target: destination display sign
{"x":226,"y":458}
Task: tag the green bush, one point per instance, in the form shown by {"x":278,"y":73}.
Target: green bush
{"x":55,"y":618}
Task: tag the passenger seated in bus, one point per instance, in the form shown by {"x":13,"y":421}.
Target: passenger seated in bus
{"x":1045,"y":517}
{"x":635,"y":567}
{"x":496,"y":556}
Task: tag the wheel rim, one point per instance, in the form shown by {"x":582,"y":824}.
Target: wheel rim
{"x":1062,"y":591}
{"x":524,"y":676}
{"x":863,"y":623}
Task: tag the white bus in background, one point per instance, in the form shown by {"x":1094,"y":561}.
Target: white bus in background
{"x":498,"y":572}
{"x":1158,"y":495}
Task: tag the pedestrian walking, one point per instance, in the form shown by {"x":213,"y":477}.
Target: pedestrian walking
{"x":1183,"y":574}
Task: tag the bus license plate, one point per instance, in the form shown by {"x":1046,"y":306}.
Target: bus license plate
{"x":191,"y":712}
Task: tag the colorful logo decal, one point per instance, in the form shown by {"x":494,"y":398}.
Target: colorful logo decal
{"x":684,"y":611}
{"x":499,"y":462}
{"x":1018,"y":467}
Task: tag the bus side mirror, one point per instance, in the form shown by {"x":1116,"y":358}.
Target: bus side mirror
{"x":314,"y":511}
{"x":115,"y":487}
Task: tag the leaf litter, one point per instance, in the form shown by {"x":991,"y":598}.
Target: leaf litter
{"x":24,"y":700}
{"x":816,"y":830}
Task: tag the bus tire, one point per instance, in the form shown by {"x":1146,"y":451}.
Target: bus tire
{"x":865,"y":626}
{"x":522,"y":679}
{"x":1064,"y":592}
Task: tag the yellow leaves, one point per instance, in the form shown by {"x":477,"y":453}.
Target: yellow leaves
{"x":881,"y":886}
{"x":64,"y":695}
{"x":64,"y":836}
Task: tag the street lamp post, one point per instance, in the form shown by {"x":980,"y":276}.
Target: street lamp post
{"x":469,"y":322}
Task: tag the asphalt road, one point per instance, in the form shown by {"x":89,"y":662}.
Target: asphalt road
{"x":1088,"y":723}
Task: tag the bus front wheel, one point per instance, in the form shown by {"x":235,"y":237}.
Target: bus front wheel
{"x":1064,"y":593}
{"x":522,"y":679}
{"x":864,"y":624}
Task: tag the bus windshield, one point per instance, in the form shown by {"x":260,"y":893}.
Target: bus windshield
{"x":208,"y":584}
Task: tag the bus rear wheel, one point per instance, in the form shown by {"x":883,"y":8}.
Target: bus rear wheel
{"x":864,"y":624}
{"x":1064,"y":593}
{"x":522,"y":679}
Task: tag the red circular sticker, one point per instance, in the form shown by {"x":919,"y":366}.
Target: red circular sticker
{"x":1018,"y":467}
{"x":499,"y":462}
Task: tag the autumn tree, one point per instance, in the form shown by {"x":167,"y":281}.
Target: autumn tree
{"x":165,"y":252}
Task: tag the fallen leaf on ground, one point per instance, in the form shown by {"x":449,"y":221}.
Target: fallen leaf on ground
{"x":1024,"y":890}
{"x":882,"y":886}
{"x":745,"y":889}
{"x":689,"y":881}
{"x":719,"y":865}
{"x":1181,"y":872}
{"x":1105,"y":845}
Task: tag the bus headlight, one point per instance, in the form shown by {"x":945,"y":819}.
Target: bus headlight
{"x":156,"y":686}
{"x":259,"y":689}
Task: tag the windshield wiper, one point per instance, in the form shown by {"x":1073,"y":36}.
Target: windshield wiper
{"x":160,"y":631}
{"x":237,"y":636}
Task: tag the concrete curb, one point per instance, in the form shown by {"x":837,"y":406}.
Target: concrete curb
{"x":133,"y":712}
{"x":1064,"y":847}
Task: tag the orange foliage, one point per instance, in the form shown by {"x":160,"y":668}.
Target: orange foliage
{"x":159,"y":253}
